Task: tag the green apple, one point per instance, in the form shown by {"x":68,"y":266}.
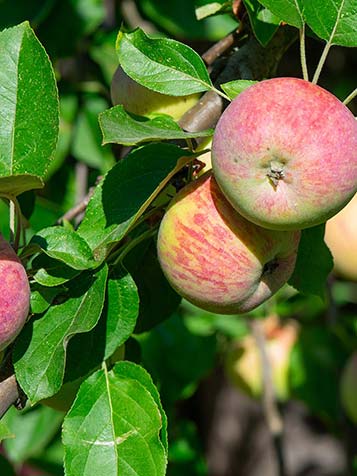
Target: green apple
{"x":243,"y":362}
{"x":143,"y":102}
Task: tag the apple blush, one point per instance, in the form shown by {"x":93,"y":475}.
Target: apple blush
{"x":215,"y":258}
{"x":285,"y":154}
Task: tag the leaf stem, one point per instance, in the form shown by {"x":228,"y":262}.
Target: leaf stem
{"x":350,"y":97}
{"x":122,"y":252}
{"x":220,"y":93}
{"x":321,"y":62}
{"x":305,"y":72}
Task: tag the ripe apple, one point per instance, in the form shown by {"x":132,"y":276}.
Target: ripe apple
{"x":14,"y":294}
{"x":142,"y":101}
{"x":285,"y":154}
{"x":348,"y":388}
{"x":215,"y":258}
{"x":341,"y":238}
{"x":244,"y":365}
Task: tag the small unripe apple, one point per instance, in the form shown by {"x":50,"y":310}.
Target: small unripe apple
{"x":348,"y":388}
{"x":341,"y":238}
{"x":143,"y":101}
{"x":285,"y":154}
{"x":14,"y":294}
{"x":244,"y":362}
{"x":217,"y":259}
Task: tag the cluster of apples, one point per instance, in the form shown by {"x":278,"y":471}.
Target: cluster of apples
{"x":284,"y":158}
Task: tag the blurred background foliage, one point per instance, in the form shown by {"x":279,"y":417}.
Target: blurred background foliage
{"x":214,"y":428}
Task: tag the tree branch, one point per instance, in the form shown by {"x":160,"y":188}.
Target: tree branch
{"x":271,"y":411}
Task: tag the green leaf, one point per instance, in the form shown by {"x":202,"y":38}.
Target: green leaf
{"x":87,"y":140}
{"x":29,"y":110}
{"x":126,"y":191}
{"x":40,"y":351}
{"x":263,"y":21}
{"x":211,"y":8}
{"x":121,"y":310}
{"x":168,"y":352}
{"x":33,"y":430}
{"x":289,"y":11}
{"x":161,"y":64}
{"x":314,"y":263}
{"x":5,"y":431}
{"x":42,"y":298}
{"x":64,"y":245}
{"x":316,"y":364}
{"x":114,"y":426}
{"x":233,"y":88}
{"x":50,"y":272}
{"x":333,"y":20}
{"x":120,"y":127}
{"x":157,"y":298}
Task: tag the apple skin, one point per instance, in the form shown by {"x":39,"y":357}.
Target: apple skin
{"x":285,"y":154}
{"x":243,"y":361}
{"x":215,"y":258}
{"x":143,"y":101}
{"x":14,"y":294}
{"x":348,"y":388}
{"x":341,"y":238}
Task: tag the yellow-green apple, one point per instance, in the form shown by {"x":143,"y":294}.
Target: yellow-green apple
{"x":243,"y":363}
{"x":285,"y":154}
{"x":341,"y":238}
{"x":14,"y":294}
{"x":143,"y":101}
{"x":348,"y":388}
{"x":217,"y":259}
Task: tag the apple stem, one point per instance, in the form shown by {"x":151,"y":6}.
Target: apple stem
{"x":270,"y":406}
{"x":350,"y":97}
{"x":305,"y":72}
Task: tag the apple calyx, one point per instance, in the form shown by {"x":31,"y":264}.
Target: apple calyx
{"x":276,"y":173}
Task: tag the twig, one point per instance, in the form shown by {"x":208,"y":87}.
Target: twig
{"x":77,"y":209}
{"x":9,"y":393}
{"x":305,"y":72}
{"x":219,"y":48}
{"x":271,"y":411}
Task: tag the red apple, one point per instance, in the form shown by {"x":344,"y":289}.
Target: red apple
{"x":285,"y":154}
{"x":143,"y":101}
{"x":341,"y":238}
{"x":215,"y":258}
{"x":14,"y":294}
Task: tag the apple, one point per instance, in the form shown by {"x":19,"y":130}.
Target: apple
{"x":14,"y":294}
{"x":143,"y":101}
{"x":243,"y":362}
{"x":348,"y":388}
{"x":217,"y":259}
{"x":341,"y":238}
{"x":285,"y":154}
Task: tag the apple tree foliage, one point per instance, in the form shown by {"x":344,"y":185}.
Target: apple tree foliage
{"x":95,"y":281}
